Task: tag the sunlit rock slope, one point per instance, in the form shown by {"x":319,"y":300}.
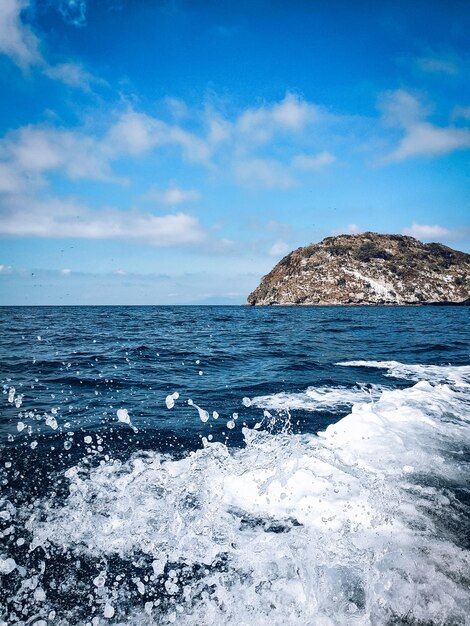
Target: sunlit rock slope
{"x":367,"y":269}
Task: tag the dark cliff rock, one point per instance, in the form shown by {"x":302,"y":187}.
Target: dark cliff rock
{"x":367,"y":269}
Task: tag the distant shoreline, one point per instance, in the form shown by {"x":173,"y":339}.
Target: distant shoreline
{"x":244,"y":304}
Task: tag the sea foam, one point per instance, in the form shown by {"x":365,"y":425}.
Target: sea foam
{"x":354,"y":525}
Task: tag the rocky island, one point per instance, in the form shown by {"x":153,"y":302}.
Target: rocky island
{"x":368,"y":269}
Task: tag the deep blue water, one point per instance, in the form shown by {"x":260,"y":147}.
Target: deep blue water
{"x":67,"y":371}
{"x":90,"y":361}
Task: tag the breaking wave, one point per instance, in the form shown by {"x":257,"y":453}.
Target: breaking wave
{"x":458,"y":375}
{"x":359,"y":524}
{"x":320,"y":398}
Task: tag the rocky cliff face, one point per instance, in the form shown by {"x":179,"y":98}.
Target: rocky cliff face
{"x":367,"y":269}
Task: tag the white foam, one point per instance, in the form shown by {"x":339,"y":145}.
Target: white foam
{"x":203,"y":414}
{"x":124,"y":417}
{"x":7,"y":565}
{"x":170,"y":399}
{"x":51,"y":421}
{"x":319,"y":398}
{"x":456,"y":374}
{"x":348,"y":527}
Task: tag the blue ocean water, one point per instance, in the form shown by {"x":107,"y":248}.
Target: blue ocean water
{"x":222,"y":465}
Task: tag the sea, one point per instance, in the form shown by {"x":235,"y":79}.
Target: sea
{"x":243,"y":466}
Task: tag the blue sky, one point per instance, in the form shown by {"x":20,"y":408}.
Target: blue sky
{"x":171,"y":152}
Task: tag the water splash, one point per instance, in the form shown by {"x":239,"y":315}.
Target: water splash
{"x":353,"y":526}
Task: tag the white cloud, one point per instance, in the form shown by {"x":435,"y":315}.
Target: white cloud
{"x":57,"y":218}
{"x":292,"y":114}
{"x":29,"y":154}
{"x":437,"y":65}
{"x":136,"y":133}
{"x":73,"y":11}
{"x":178,"y":108}
{"x":421,"y":138}
{"x":72,"y":74}
{"x":11,"y":180}
{"x":31,"y":151}
{"x":433,"y":232}
{"x":18,"y":42}
{"x":279,"y":248}
{"x":351,"y":229}
{"x":65,"y":272}
{"x":313,"y":162}
{"x":401,"y":108}
{"x":264,"y":173}
{"x":6,"y":269}
{"x":195,"y":149}
{"x":461,"y":112}
{"x":173,"y":195}
{"x":34,"y":150}
{"x":16,"y":39}
{"x":219,"y":130}
{"x":424,"y":139}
